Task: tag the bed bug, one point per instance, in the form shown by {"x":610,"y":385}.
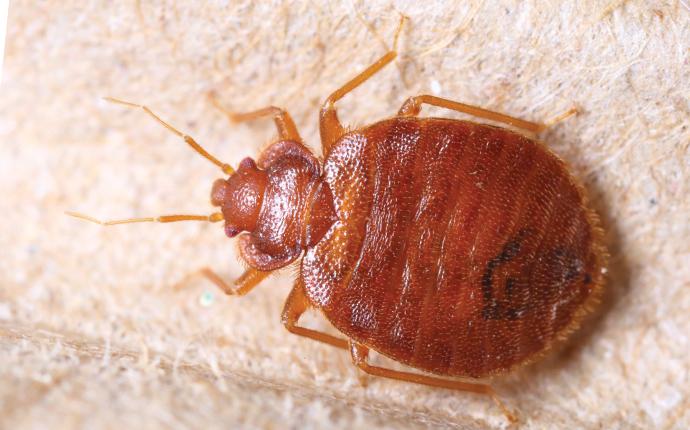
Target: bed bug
{"x":457,"y":248}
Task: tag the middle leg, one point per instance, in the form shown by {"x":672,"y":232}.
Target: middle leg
{"x":360,"y":354}
{"x":330,"y":127}
{"x":295,"y":305}
{"x":413,"y":106}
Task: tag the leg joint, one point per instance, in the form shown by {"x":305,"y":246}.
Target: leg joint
{"x":411,"y":107}
{"x":359,"y":354}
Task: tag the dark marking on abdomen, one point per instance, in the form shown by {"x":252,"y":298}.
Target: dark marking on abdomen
{"x":493,"y":308}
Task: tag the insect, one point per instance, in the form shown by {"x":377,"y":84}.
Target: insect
{"x":456,"y":248}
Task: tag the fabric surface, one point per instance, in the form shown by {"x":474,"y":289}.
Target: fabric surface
{"x":102,"y":327}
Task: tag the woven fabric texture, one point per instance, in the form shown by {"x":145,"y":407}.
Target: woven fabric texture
{"x":102,"y":327}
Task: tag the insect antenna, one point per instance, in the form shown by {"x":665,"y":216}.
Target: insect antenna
{"x":214,"y":217}
{"x":226,"y":168}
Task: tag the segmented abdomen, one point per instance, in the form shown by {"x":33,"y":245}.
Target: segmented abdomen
{"x":460,"y":249}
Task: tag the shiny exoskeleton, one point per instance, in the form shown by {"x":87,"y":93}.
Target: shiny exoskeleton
{"x":456,"y":248}
{"x":461,"y":249}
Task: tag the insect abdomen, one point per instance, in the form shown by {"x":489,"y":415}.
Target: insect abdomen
{"x":454,"y":240}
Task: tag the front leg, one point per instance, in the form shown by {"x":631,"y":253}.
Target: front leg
{"x":241,"y":286}
{"x":283,"y":121}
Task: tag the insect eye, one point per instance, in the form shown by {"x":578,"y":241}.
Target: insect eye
{"x":231,"y":231}
{"x":247,"y":163}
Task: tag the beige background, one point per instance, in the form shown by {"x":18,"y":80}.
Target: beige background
{"x":92,"y":332}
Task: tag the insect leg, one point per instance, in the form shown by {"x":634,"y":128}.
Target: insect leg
{"x":241,"y":286}
{"x":329,"y":124}
{"x":295,"y":305}
{"x":360,"y":353}
{"x":413,"y":105}
{"x":284,"y":123}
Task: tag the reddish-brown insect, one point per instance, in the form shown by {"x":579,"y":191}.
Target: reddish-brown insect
{"x":456,"y":248}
